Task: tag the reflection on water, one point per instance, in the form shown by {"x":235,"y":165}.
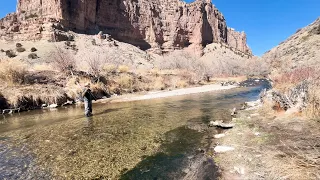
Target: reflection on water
{"x":151,"y":139}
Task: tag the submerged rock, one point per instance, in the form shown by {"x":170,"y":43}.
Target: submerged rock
{"x":221,"y":124}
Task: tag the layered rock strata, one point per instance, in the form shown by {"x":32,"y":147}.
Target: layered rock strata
{"x":160,"y":25}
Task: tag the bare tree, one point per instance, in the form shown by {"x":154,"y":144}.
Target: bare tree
{"x":63,"y":61}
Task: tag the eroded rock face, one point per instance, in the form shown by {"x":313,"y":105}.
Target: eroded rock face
{"x":160,"y":25}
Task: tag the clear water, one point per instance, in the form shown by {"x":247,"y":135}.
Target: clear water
{"x":152,"y":139}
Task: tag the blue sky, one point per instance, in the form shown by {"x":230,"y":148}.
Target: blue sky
{"x":266,"y":22}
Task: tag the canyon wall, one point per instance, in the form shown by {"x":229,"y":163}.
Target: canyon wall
{"x":160,"y":25}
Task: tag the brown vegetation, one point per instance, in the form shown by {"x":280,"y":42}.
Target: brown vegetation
{"x":110,"y":73}
{"x":63,"y":61}
{"x":288,"y":80}
{"x":12,"y":71}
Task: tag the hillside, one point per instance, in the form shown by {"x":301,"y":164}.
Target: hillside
{"x":300,"y":50}
{"x":295,"y":72}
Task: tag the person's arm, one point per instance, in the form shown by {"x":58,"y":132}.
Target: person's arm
{"x":93,"y":96}
{"x":84,"y":91}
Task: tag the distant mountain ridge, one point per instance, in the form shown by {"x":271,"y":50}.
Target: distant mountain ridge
{"x":157,"y":25}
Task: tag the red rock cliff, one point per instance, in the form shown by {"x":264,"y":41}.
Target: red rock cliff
{"x":162,"y":25}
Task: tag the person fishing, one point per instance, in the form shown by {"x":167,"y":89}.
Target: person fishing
{"x":87,"y":98}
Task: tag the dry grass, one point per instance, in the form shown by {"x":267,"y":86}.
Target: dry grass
{"x":158,"y":84}
{"x":283,"y":149}
{"x":293,"y":161}
{"x":109,"y":68}
{"x":42,"y":67}
{"x":13,"y":72}
{"x":34,"y":96}
{"x":313,"y":108}
{"x":123,"y":69}
{"x":75,"y":84}
{"x":125,"y":81}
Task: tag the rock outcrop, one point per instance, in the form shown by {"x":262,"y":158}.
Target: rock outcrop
{"x":160,"y":25}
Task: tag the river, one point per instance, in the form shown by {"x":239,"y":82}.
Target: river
{"x":152,"y":139}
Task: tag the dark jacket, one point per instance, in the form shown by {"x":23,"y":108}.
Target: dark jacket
{"x":87,"y":94}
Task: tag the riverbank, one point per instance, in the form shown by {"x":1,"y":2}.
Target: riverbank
{"x":165,"y":94}
{"x":270,"y":145}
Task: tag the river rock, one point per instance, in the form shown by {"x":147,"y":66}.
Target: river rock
{"x":221,"y":124}
{"x":218,"y":136}
{"x":67,"y":103}
{"x":215,"y":123}
{"x":53,"y":106}
{"x":234,"y":112}
{"x":222,"y":149}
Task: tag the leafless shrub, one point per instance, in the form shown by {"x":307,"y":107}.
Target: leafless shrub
{"x":63,"y":61}
{"x":291,"y":78}
{"x":256,"y":67}
{"x":123,"y":69}
{"x":95,"y":64}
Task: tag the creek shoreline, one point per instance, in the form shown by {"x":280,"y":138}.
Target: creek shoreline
{"x":132,"y":97}
{"x":165,"y":94}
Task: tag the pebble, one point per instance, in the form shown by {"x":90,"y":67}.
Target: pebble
{"x":239,"y":170}
{"x":218,"y":136}
{"x":221,"y":149}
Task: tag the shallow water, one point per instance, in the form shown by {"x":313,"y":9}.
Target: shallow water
{"x":152,"y":139}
